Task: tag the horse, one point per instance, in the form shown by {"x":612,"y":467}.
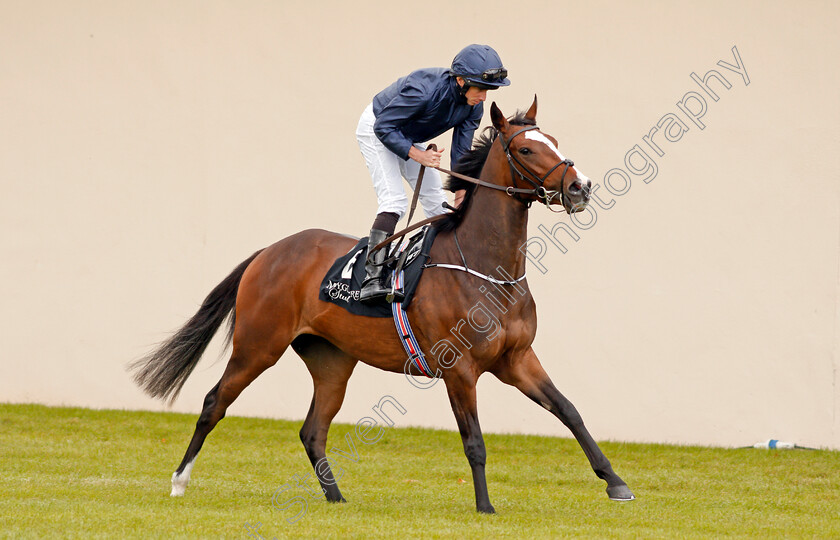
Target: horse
{"x":271,"y":302}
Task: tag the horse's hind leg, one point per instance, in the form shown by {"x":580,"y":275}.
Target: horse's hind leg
{"x":527,"y":374}
{"x":241,"y":370}
{"x":330,"y":369}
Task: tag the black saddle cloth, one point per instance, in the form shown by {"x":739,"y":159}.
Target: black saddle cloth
{"x":343,"y":283}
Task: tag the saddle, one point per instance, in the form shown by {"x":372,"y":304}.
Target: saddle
{"x":343,"y":282}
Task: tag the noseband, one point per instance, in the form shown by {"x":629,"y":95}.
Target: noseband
{"x":539,"y":191}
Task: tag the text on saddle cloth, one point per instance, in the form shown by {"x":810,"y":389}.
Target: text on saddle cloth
{"x":343,"y":282}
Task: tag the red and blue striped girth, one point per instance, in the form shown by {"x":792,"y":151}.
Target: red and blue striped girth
{"x":412,"y":348}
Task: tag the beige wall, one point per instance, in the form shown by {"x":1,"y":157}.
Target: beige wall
{"x":146,"y":148}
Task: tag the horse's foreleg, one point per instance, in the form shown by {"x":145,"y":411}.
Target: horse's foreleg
{"x":461,"y":390}
{"x":330,"y":369}
{"x":240,"y":372}
{"x":527,"y":374}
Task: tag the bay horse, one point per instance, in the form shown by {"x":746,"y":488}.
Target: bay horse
{"x":272,"y":300}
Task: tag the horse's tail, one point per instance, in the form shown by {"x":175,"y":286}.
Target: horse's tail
{"x":164,"y":371}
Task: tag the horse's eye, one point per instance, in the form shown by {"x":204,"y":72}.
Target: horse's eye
{"x":524,"y":151}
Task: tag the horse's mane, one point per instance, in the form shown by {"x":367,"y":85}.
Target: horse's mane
{"x":470,"y":165}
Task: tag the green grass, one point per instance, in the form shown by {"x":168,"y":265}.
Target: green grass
{"x":69,"y":472}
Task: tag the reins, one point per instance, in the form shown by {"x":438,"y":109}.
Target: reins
{"x":538,"y":191}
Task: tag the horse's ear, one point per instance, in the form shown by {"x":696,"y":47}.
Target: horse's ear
{"x":532,"y":112}
{"x":498,"y":119}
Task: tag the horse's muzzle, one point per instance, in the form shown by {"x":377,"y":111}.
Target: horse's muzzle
{"x":577,"y":195}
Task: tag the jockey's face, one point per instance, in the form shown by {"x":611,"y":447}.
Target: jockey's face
{"x":473,"y":95}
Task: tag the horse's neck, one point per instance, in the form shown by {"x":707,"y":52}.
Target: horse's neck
{"x":493,"y":229}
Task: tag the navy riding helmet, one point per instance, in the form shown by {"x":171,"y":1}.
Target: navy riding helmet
{"x":480,"y":66}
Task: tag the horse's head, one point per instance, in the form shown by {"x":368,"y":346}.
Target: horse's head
{"x":535,"y":162}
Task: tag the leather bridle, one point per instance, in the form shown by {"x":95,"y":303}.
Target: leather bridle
{"x":547,"y":196}
{"x":538,"y":191}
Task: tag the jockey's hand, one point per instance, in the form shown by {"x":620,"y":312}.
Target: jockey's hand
{"x":427,"y":158}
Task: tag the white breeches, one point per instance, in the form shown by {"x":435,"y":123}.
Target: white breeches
{"x":388,"y":169}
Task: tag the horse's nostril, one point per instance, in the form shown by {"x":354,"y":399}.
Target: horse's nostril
{"x":576,"y":187}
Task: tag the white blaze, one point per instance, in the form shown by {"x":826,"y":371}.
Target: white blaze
{"x":539,"y":137}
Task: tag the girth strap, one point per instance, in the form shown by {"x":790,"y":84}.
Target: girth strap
{"x":406,"y":335}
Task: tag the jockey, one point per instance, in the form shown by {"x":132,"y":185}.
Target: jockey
{"x":391,"y":132}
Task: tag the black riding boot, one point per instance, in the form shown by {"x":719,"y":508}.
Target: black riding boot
{"x":373,"y":287}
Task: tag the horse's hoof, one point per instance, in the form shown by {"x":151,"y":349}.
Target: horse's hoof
{"x":486,"y":509}
{"x":179,"y":485}
{"x":620,"y":493}
{"x":180,"y":481}
{"x":341,"y":500}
